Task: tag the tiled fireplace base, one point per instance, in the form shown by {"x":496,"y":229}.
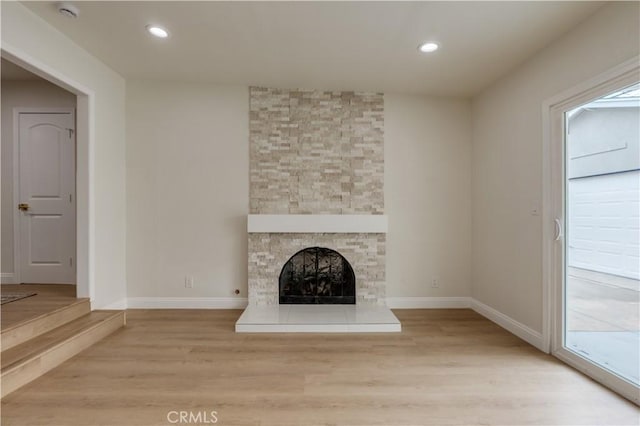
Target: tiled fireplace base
{"x":317,"y":319}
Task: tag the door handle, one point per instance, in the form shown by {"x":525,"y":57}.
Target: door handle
{"x":558,"y":229}
{"x":23,"y":207}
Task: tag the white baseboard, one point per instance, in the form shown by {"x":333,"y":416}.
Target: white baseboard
{"x":527,"y":334}
{"x":427,"y":302}
{"x":187,"y":302}
{"x":241,"y":303}
{"x":115,"y":306}
{"x":7,"y":278}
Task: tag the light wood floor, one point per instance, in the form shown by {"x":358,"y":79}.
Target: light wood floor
{"x":49,"y":297}
{"x":447,"y":367}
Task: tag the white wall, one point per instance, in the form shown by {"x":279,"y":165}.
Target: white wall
{"x":19,"y":93}
{"x":187,"y":189}
{"x":25,"y":32}
{"x":507,"y":157}
{"x":428,"y":195}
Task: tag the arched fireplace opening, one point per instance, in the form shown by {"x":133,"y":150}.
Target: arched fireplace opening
{"x":317,"y":275}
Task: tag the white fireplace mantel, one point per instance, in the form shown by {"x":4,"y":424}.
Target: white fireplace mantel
{"x":317,"y":223}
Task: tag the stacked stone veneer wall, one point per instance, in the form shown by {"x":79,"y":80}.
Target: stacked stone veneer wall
{"x":316,"y":152}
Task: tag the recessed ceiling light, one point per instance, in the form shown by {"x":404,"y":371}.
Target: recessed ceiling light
{"x":157,"y":31}
{"x":428,"y":47}
{"x":68,"y":10}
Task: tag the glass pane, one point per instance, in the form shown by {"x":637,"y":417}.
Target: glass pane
{"x":602,"y":205}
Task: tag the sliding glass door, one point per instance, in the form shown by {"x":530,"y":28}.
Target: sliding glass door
{"x":596,"y":247}
{"x":602,"y":244}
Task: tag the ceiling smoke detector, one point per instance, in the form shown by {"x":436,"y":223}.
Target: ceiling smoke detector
{"x":68,"y":10}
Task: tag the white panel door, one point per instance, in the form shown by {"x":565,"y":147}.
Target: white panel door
{"x":46,"y":145}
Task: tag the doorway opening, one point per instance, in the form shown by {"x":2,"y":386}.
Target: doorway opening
{"x":84,"y":136}
{"x":39,"y":179}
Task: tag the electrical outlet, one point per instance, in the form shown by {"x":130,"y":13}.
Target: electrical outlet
{"x":188,"y":281}
{"x":435,"y":283}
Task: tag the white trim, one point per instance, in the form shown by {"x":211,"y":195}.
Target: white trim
{"x":553,"y":111}
{"x":527,"y":334}
{"x":85,"y":197}
{"x":42,"y":70}
{"x":119,"y":305}
{"x":593,"y":84}
{"x":46,"y":110}
{"x":317,"y":223}
{"x":600,"y":375}
{"x":553,"y":187}
{"x":7,"y":278}
{"x":85,"y":183}
{"x":241,"y":303}
{"x":16,"y":196}
{"x":428,"y":302}
{"x":187,"y":302}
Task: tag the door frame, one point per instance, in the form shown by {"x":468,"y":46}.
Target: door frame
{"x":553,"y":151}
{"x":85,"y":163}
{"x":17,"y":254}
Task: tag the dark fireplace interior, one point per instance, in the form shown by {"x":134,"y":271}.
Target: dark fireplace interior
{"x":317,"y":275}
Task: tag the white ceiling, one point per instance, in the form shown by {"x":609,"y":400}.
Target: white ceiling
{"x":323,"y":45}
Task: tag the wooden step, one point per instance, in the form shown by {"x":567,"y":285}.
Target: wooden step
{"x":21,"y":332}
{"x":30,"y":360}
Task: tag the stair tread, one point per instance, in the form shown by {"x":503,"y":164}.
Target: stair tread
{"x":41,"y":321}
{"x":50,"y":306}
{"x":32,"y":348}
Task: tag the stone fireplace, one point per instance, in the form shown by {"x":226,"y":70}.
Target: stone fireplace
{"x":316,"y":153}
{"x":316,"y":181}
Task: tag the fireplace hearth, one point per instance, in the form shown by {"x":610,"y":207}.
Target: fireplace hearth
{"x":317,"y":275}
